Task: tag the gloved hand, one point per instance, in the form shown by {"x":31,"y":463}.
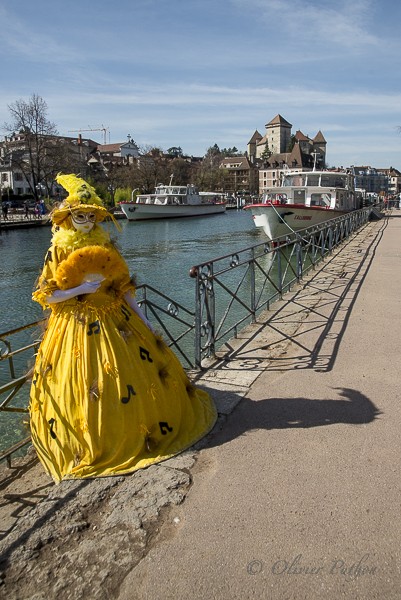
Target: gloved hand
{"x":87,"y":287}
{"x":130,"y":300}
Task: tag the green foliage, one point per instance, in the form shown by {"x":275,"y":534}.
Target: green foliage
{"x":291,"y":143}
{"x":175,"y":151}
{"x":122,"y":195}
{"x":266,"y":152}
{"x":102,"y":191}
{"x":230,"y":151}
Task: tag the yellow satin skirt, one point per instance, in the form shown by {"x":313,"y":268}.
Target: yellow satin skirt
{"x":109,"y":397}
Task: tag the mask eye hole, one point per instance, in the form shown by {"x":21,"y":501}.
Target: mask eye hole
{"x":83,"y":217}
{"x":78,"y":217}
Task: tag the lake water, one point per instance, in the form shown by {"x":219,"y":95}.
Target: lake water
{"x":158,"y":253}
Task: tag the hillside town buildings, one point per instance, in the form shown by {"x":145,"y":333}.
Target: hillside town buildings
{"x":261,"y":167}
{"x":278,"y":150}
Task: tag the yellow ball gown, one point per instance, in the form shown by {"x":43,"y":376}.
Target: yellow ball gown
{"x":108,"y":396}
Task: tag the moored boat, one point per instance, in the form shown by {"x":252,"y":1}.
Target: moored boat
{"x":172,"y":201}
{"x":304,"y":199}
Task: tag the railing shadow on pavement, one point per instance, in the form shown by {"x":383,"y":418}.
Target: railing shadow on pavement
{"x":231,"y":291}
{"x":351,"y":406}
{"x":263,"y":347}
{"x":264,"y":273}
{"x":328,"y":320}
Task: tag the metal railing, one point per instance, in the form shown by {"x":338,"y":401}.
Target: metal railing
{"x":17,"y":350}
{"x":233,"y":289}
{"x":230,"y":292}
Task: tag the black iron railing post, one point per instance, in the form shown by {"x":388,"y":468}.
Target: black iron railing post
{"x":197,"y":339}
{"x":253,"y":286}
{"x":298,"y":250}
{"x":330,"y":239}
{"x":279,"y":271}
{"x":205,"y":313}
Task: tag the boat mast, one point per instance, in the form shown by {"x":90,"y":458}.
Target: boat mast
{"x":315,"y":155}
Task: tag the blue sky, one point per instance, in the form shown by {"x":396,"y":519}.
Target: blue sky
{"x":193,"y":73}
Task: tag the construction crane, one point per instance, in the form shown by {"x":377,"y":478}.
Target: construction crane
{"x":102,"y":128}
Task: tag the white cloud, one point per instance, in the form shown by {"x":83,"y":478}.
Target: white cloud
{"x":31,"y":44}
{"x":214,"y":97}
{"x":320,"y":25}
{"x":190,"y":77}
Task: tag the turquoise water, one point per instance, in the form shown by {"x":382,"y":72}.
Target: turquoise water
{"x":158,"y":253}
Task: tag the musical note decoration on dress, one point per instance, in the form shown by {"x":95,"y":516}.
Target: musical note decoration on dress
{"x":164,"y":427}
{"x":131,"y":392}
{"x":52,"y":423}
{"x":94,"y":327}
{"x":144,"y":354}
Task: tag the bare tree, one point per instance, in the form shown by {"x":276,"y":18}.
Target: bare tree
{"x":34,"y":151}
{"x":152,"y":168}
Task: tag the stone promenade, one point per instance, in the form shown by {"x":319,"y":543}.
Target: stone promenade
{"x":296,"y":492}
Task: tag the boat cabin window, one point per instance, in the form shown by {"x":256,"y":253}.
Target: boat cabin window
{"x":332,"y":180}
{"x":320,"y":199}
{"x":275,"y":199}
{"x":299,"y":179}
{"x":313,"y":179}
{"x":299,"y":196}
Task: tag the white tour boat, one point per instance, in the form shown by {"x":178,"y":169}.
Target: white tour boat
{"x":172,"y":201}
{"x":304,"y":199}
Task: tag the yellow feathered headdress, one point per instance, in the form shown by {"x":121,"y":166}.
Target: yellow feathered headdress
{"x":81,"y":195}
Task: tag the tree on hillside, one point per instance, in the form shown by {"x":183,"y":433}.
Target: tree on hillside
{"x":230,"y":151}
{"x":291,"y":143}
{"x":35,"y":153}
{"x":175,"y":151}
{"x":149,"y":169}
{"x":266,"y":154}
{"x":182,"y":171}
{"x":213,"y":156}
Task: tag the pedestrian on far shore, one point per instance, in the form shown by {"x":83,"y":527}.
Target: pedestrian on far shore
{"x":4,"y":208}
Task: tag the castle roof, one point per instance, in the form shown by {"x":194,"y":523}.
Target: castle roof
{"x":278,"y":120}
{"x":319,"y":138}
{"x":301,"y":137}
{"x":255,"y":138}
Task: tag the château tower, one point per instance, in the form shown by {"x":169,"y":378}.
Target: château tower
{"x":278,"y":135}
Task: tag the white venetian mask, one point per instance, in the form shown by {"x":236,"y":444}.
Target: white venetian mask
{"x":83,"y":221}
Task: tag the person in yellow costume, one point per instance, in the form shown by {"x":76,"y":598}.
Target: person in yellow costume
{"x":108,"y":396}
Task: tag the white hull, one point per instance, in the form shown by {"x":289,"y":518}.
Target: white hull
{"x":281,"y":220}
{"x":305,"y":199}
{"x":135,"y":211}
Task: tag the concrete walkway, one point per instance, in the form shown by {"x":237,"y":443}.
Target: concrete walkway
{"x":295,"y":494}
{"x":298,"y":495}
